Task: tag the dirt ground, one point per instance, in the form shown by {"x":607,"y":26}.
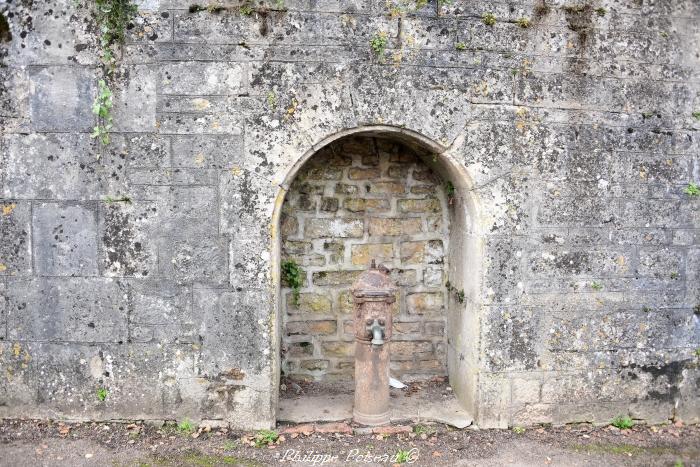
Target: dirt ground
{"x":34,"y":443}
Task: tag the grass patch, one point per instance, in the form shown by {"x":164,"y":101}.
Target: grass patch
{"x":265,"y":438}
{"x":623,"y":423}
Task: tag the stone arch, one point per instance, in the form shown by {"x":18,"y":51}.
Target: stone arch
{"x":464,"y":255}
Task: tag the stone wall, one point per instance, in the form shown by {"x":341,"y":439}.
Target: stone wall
{"x":357,"y":200}
{"x":150,"y":267}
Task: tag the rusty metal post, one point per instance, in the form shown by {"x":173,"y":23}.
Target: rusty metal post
{"x":372,"y":292}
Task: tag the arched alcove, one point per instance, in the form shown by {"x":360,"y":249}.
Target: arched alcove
{"x":391,"y":194}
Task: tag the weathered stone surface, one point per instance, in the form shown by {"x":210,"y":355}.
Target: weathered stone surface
{"x":189,"y":261}
{"x":126,"y":231}
{"x":544,"y":172}
{"x":59,"y":166}
{"x":381,"y":226}
{"x":348,"y":227}
{"x":65,"y":236}
{"x":382,"y":253}
{"x":67,"y":310}
{"x":61,"y":99}
{"x":15,"y":239}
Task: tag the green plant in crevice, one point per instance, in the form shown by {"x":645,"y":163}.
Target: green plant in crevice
{"x":601,"y":11}
{"x":246,"y":9}
{"x":488,"y":19}
{"x":102,"y":108}
{"x":696,"y":116}
{"x":523,"y":23}
{"x":292,"y":275}
{"x":102,"y":394}
{"x":378,"y":44}
{"x":596,"y":285}
{"x":623,"y":423}
{"x":272,"y":99}
{"x":459,"y":294}
{"x":450,"y":191}
{"x":460,"y":46}
{"x":692,"y":189}
{"x":122,"y":199}
{"x":112,"y":17}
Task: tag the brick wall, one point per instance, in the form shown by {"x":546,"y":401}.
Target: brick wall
{"x":357,"y":200}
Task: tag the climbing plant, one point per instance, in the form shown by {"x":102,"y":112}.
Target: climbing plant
{"x":112,"y":17}
{"x":292,"y":275}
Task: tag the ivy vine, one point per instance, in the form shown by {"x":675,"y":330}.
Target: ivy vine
{"x":112,"y":16}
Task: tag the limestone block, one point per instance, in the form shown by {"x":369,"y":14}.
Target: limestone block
{"x":126,"y":233}
{"x":67,"y":310}
{"x":60,"y":99}
{"x":15,"y":239}
{"x":65,"y":236}
{"x":194,"y":261}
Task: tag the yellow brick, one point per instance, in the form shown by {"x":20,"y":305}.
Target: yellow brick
{"x":357,"y":173}
{"x":309,"y":303}
{"x":394,"y":225}
{"x":412,"y":252}
{"x":419,"y":205}
{"x":362,"y":255}
{"x":366,"y":205}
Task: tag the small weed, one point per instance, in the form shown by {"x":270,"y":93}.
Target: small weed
{"x":514,"y":72}
{"x":596,"y":285}
{"x":623,"y":423}
{"x":123,"y":199}
{"x":664,"y":34}
{"x":423,"y":430}
{"x":272,"y":99}
{"x":460,"y":296}
{"x":292,"y":275}
{"x":523,"y":22}
{"x":185,"y":427}
{"x":679,"y":463}
{"x":696,"y":116}
{"x":518,"y":430}
{"x":450,"y":189}
{"x":378,"y":44}
{"x":646,"y":309}
{"x":675,"y":275}
{"x":402,"y":456}
{"x":102,"y":107}
{"x":246,"y":9}
{"x":230,"y":445}
{"x":102,"y":394}
{"x":488,"y":19}
{"x":697,"y":352}
{"x":461,"y":46}
{"x":265,"y":438}
{"x":601,"y":11}
{"x":692,"y":189}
